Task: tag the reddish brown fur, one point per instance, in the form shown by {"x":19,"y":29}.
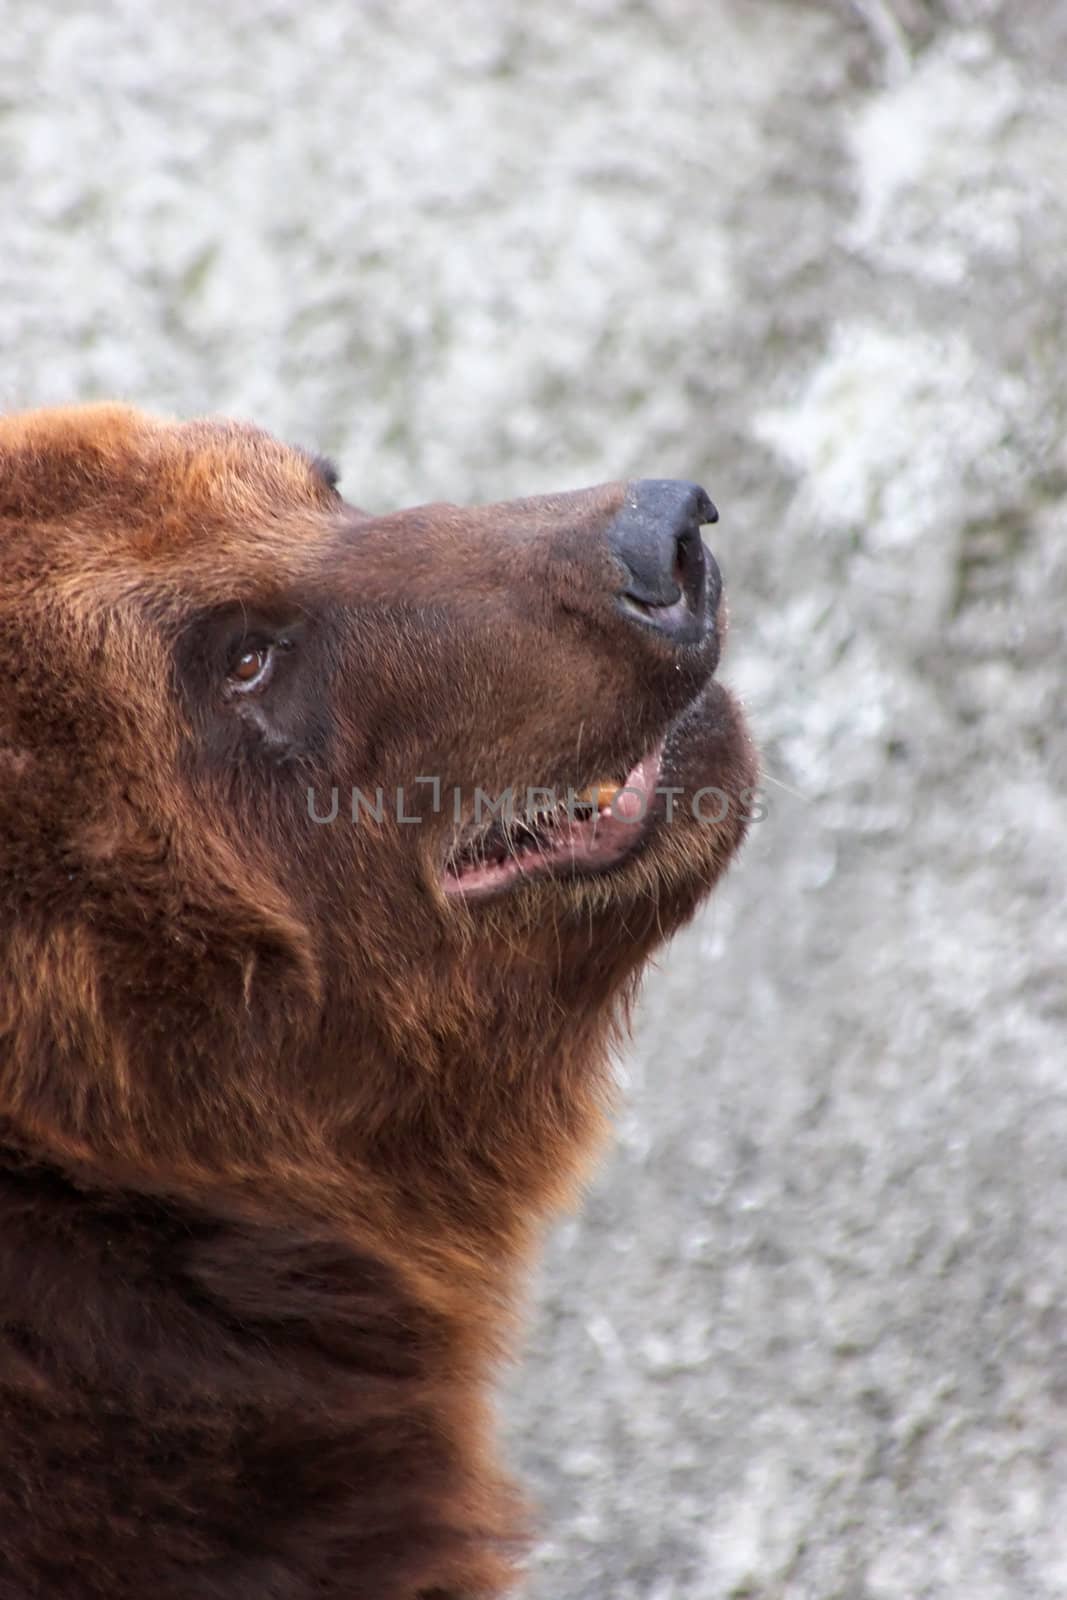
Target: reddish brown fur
{"x":278,"y":1120}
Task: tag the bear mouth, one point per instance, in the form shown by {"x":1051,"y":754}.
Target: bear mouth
{"x":581,"y":834}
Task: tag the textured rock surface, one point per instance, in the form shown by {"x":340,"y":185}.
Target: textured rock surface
{"x":808,"y":1338}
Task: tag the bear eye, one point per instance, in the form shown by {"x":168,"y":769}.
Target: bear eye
{"x":252,"y":667}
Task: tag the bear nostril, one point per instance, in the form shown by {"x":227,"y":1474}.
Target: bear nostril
{"x":656,"y":538}
{"x":690,"y":564}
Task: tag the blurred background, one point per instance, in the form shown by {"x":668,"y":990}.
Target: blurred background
{"x":807,"y":1340}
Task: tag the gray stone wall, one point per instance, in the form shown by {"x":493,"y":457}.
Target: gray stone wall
{"x":807,"y":1339}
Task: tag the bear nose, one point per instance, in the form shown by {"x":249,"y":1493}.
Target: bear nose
{"x":671,"y":582}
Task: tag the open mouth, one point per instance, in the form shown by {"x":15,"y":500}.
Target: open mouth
{"x":580,"y":834}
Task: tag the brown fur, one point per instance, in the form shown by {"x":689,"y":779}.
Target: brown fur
{"x":278,"y":1120}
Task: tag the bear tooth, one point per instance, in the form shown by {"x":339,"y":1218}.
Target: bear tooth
{"x":599,"y":795}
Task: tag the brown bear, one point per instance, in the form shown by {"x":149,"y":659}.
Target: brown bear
{"x":331,"y":849}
